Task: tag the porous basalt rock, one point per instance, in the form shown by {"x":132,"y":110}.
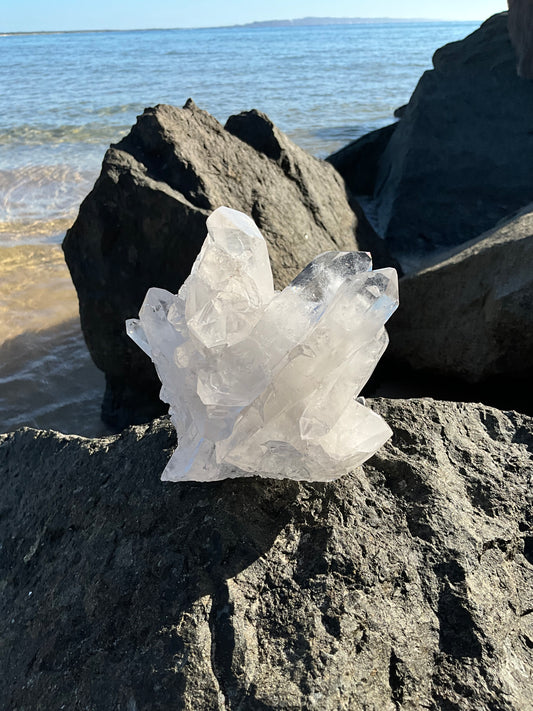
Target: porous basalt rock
{"x":406,"y":585}
{"x":470,"y":315}
{"x":144,"y":223}
{"x":459,"y":159}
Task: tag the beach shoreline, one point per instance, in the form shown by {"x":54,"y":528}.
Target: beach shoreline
{"x":63,"y":116}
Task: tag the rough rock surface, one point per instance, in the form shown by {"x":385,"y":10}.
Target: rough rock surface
{"x":460,"y":158}
{"x":405,"y":585}
{"x":521,"y":33}
{"x":144,"y":223}
{"x":256,"y":129}
{"x":471,"y":315}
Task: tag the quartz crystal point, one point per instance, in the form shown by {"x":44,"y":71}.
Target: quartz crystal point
{"x":261,"y":382}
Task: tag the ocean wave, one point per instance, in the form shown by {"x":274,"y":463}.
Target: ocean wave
{"x":40,"y":177}
{"x":39,"y":203}
{"x":92,"y":133}
{"x":119,"y":109}
{"x":27,"y":231}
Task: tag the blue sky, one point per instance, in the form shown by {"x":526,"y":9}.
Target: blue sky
{"x":47,"y":15}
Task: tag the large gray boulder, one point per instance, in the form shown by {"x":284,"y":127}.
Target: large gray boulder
{"x":144,"y":223}
{"x":358,"y":164}
{"x":521,"y":32}
{"x":358,"y":161}
{"x":471,"y":315}
{"x":460,"y":157}
{"x":405,"y":585}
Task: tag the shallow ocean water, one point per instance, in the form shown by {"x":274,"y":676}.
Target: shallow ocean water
{"x":69,"y":95}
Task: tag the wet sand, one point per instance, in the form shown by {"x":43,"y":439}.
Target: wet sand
{"x":47,"y":378}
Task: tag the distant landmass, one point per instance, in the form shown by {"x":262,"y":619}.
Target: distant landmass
{"x":299,"y":22}
{"x":307,"y":21}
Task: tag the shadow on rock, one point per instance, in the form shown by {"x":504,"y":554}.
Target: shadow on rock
{"x":106,"y":548}
{"x":406,"y":584}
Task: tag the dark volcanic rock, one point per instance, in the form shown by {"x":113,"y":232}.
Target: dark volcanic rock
{"x":399,"y":112}
{"x":358,"y":164}
{"x":144,"y":223}
{"x":471,"y":315}
{"x":358,"y":161}
{"x":521,"y":33}
{"x":406,"y":585}
{"x":460,"y":158}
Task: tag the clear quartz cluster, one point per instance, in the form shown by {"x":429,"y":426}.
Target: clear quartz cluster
{"x":262,"y":382}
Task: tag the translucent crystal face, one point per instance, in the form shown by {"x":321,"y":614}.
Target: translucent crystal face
{"x":262,"y":382}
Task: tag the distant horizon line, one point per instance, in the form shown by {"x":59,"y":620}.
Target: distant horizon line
{"x":257,"y":24}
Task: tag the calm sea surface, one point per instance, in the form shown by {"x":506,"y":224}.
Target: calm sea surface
{"x":67,"y":96}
